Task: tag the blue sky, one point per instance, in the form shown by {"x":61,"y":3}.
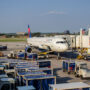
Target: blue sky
{"x":44,"y":15}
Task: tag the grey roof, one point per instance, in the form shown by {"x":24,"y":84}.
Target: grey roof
{"x":73,"y":85}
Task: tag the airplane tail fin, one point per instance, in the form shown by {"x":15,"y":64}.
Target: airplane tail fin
{"x":29,"y":33}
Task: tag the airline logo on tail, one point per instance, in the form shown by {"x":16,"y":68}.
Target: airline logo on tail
{"x":29,"y":33}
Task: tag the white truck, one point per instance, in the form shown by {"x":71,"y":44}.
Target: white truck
{"x":81,"y":70}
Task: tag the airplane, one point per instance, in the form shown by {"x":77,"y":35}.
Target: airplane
{"x":54,"y":44}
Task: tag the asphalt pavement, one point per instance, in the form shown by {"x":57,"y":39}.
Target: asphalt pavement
{"x":61,"y":77}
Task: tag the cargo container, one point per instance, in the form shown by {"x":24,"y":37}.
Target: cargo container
{"x":26,"y":55}
{"x":45,"y":70}
{"x":6,"y":64}
{"x":2,"y":67}
{"x":3,"y":47}
{"x":20,"y":75}
{"x":32,"y":56}
{"x":40,"y":82}
{"x":21,"y":55}
{"x":68,"y":66}
{"x":45,"y":63}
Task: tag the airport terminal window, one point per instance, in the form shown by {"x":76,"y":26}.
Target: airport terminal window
{"x":83,"y":66}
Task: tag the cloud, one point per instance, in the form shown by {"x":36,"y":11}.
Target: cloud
{"x":54,"y":13}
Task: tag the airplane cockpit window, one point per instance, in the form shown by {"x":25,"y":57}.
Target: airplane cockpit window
{"x":61,"y":42}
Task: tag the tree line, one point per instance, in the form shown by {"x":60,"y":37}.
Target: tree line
{"x":38,"y":34}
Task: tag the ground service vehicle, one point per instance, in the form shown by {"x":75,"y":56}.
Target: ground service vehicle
{"x":81,"y":70}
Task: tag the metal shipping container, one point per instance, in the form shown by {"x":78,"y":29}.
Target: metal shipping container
{"x":68,"y":66}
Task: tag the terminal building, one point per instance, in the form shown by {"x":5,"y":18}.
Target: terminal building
{"x":78,"y":41}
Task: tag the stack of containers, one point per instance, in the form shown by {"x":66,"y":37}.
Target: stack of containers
{"x":32,"y":74}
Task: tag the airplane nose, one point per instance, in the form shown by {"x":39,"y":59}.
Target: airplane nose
{"x":62,"y":48}
{"x":65,"y":47}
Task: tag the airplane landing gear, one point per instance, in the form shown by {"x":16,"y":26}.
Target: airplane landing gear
{"x":58,"y":57}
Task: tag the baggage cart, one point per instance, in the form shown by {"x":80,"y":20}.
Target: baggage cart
{"x":40,"y":82}
{"x":68,"y":66}
{"x":25,"y":88}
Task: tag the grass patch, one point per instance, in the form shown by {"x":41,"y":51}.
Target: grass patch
{"x":13,"y":39}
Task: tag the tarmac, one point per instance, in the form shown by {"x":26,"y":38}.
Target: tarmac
{"x":61,"y":77}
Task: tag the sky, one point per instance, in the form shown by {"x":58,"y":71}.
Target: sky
{"x":44,"y":15}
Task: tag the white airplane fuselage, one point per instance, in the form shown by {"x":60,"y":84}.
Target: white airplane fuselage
{"x":49,"y":43}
